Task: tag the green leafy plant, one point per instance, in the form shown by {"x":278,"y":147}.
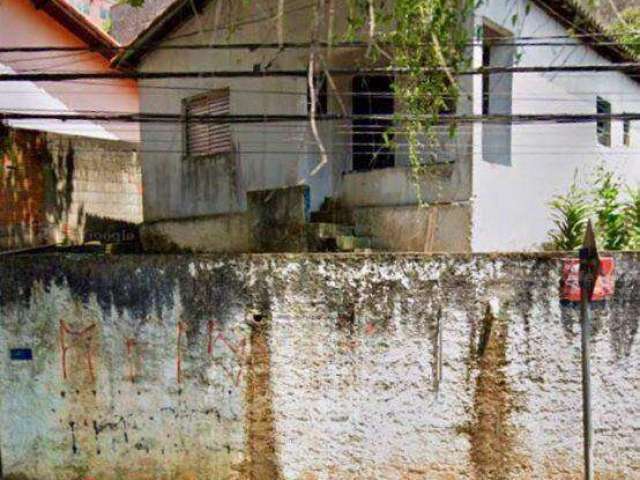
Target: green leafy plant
{"x":627,"y":29}
{"x":426,"y":40}
{"x":570,"y":214}
{"x":632,"y":218}
{"x":611,"y":226}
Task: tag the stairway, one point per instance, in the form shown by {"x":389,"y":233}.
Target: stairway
{"x":332,"y":230}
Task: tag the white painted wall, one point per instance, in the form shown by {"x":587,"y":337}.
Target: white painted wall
{"x":511,"y":209}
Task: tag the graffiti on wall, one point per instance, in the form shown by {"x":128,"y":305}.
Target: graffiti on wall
{"x":236,"y":349}
{"x":80,"y":341}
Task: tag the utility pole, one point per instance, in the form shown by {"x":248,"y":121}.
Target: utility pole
{"x":589,"y":270}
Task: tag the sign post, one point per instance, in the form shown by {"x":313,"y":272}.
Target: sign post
{"x":589,"y":270}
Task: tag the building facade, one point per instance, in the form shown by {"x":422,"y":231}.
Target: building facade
{"x":486,"y":189}
{"x":64,"y":181}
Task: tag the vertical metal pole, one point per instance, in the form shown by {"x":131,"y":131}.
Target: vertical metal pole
{"x":589,"y":270}
{"x":585,"y":315}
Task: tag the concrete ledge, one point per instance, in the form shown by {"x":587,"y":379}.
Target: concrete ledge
{"x":397,"y":186}
{"x":440,"y":228}
{"x":216,"y":233}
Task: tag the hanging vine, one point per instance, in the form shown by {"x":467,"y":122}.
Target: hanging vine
{"x":427,"y":40}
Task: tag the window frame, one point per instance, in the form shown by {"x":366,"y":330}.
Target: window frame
{"x":186,"y":103}
{"x":603,"y":126}
{"x":487,"y":45}
{"x":626,"y":132}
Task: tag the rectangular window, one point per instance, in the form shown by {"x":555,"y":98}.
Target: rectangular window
{"x":498,"y":52}
{"x":373,"y":106}
{"x":205,"y":137}
{"x":626,"y":133}
{"x":486,"y":78}
{"x":603,"y":125}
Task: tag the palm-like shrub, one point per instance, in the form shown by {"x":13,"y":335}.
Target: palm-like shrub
{"x":570,"y":214}
{"x":611,"y":224}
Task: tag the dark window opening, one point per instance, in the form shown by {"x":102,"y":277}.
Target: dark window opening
{"x":603,"y":125}
{"x":372,"y":95}
{"x":626,"y":133}
{"x":322,"y":98}
{"x":486,"y":78}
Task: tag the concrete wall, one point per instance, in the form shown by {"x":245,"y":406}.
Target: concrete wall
{"x":59,"y":188}
{"x":427,"y":229}
{"x":310,"y":367}
{"x":513,"y":186}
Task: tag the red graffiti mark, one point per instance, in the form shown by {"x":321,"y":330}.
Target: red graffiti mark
{"x":132,"y":348}
{"x":86,"y":333}
{"x":370,"y":329}
{"x":238,"y":351}
{"x":181,"y":329}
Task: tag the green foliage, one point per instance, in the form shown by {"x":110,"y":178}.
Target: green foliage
{"x":628,"y":29}
{"x":617,"y":219}
{"x":632,"y":218}
{"x":107,"y":25}
{"x":133,"y":3}
{"x":611,"y":224}
{"x":425,"y":39}
{"x":570,"y":214}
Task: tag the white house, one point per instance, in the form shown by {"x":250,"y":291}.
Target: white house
{"x":488,"y":190}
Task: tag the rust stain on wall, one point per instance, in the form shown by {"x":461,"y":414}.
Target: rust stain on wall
{"x":492,"y":437}
{"x":261,"y":460}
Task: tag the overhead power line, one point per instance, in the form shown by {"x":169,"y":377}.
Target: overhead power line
{"x":541,"y":41}
{"x":628,"y":67}
{"x":252,"y":118}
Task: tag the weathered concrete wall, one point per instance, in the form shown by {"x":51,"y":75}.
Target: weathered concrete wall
{"x":426,"y":229}
{"x":56,"y":188}
{"x":226,"y":233}
{"x":310,"y":367}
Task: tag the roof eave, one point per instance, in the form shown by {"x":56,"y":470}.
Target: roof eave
{"x":567,"y":12}
{"x":171,"y":18}
{"x":79,"y":25}
{"x":573,"y":17}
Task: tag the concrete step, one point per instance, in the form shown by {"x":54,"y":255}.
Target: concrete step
{"x":350,"y":243}
{"x":331,"y":216}
{"x":323,"y":230}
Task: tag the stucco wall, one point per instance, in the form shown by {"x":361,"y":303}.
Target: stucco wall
{"x":511,"y":197}
{"x":61,"y":188}
{"x":310,"y":367}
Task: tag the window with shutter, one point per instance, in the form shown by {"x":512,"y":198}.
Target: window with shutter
{"x":205,"y":137}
